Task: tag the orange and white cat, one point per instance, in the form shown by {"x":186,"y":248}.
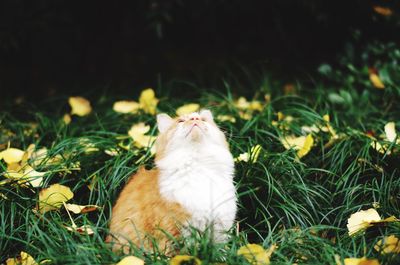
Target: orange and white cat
{"x":192,"y":185}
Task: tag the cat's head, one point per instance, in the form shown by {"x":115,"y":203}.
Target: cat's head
{"x":187,"y":130}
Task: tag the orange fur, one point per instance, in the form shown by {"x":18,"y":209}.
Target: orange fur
{"x":140,"y":212}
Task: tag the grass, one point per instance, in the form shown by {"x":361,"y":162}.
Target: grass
{"x":302,"y":206}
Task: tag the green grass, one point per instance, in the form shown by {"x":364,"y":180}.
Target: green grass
{"x":302,"y":206}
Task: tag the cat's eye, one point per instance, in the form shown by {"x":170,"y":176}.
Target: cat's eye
{"x":181,"y":120}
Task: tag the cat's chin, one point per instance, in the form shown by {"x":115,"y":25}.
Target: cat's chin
{"x":195,"y":134}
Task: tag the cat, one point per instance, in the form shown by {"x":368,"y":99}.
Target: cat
{"x":191,"y":185}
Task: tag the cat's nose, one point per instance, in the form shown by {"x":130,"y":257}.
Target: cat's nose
{"x":195,"y":118}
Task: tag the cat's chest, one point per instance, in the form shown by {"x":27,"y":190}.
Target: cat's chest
{"x":205,"y":192}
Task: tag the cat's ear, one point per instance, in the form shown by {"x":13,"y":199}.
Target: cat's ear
{"x":164,"y":122}
{"x":207,"y":115}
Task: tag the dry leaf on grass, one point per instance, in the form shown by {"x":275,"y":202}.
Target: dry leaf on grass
{"x":184,"y":259}
{"x":363,"y":219}
{"x":187,"y":109}
{"x":130,"y":260}
{"x":126,"y":106}
{"x":252,"y":156}
{"x":148,"y":101}
{"x":23,"y":259}
{"x":228,"y":118}
{"x":53,"y":197}
{"x":12,"y":155}
{"x":389,"y":244}
{"x":360,"y":261}
{"x":77,"y":209}
{"x":302,"y":144}
{"x":79,"y":106}
{"x":256,"y":254}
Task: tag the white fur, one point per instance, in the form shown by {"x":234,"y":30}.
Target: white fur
{"x":198,"y":174}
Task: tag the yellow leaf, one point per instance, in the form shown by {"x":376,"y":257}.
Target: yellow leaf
{"x":242,"y":103}
{"x":80,"y":106}
{"x":256,"y":105}
{"x":229,"y":118}
{"x":302,"y":144}
{"x":26,"y":174}
{"x":131,"y":260}
{"x":88,"y":145}
{"x":256,"y":254}
{"x":384,"y":11}
{"x":326,"y":118}
{"x":138,"y":129}
{"x":137,"y":132}
{"x":254,"y":153}
{"x":148,"y":101}
{"x":376,"y":81}
{"x":75,"y":208}
{"x":53,"y":197}
{"x":245,"y":115}
{"x":243,"y":157}
{"x":83,"y":230}
{"x":308,"y":143}
{"x":184,"y":259}
{"x":144,"y":141}
{"x":126,"y":106}
{"x":111,"y":151}
{"x":12,"y":155}
{"x":24,"y":259}
{"x":360,"y":261}
{"x":67,"y":118}
{"x":389,"y":244}
{"x":361,"y":220}
{"x":187,"y":109}
{"x":390,"y":131}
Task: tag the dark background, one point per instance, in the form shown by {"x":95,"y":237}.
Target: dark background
{"x":59,"y":46}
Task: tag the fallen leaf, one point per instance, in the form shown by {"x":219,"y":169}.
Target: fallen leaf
{"x":384,"y":11}
{"x":80,"y":106}
{"x":308,"y":143}
{"x":77,"y":209}
{"x":111,"y":152}
{"x":256,"y":105}
{"x":302,"y":144}
{"x":245,"y":115}
{"x":389,"y":244}
{"x":310,"y":129}
{"x":376,"y":81}
{"x":253,"y":155}
{"x":88,"y":145}
{"x":184,"y":259}
{"x":187,"y":109}
{"x":137,"y":132}
{"x":126,"y":106}
{"x":138,"y":129}
{"x":229,"y":118}
{"x":130,"y":260}
{"x":242,"y":103}
{"x":12,"y":155}
{"x":361,"y":220}
{"x":148,"y":101}
{"x":53,"y":197}
{"x":360,"y":261}
{"x":243,"y":157}
{"x":26,"y":174}
{"x":23,"y":259}
{"x":83,"y":230}
{"x":256,"y":254}
{"x":67,"y":118}
{"x":390,"y":131}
